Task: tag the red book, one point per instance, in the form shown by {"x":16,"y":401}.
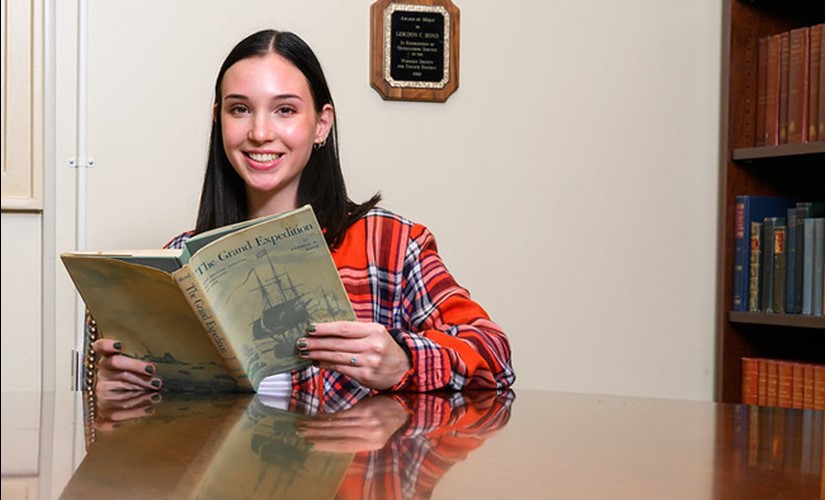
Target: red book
{"x":762,"y":386}
{"x":797,"y":400}
{"x":750,"y":381}
{"x":820,"y":129}
{"x":761,"y":91}
{"x":819,"y":387}
{"x":808,"y":387}
{"x":773,"y":383}
{"x":784,"y":73}
{"x":813,"y":81}
{"x":798,"y":62}
{"x":772,"y":91}
{"x":785,"y":390}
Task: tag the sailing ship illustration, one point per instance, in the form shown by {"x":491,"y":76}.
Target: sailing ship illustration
{"x":286,"y":310}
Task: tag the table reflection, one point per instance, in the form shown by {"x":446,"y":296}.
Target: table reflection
{"x":253,"y":446}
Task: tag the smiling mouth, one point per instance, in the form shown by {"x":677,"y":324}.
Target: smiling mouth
{"x":264,"y":157}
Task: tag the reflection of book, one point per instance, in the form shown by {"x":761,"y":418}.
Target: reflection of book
{"x":223,"y":312}
{"x":229,"y":446}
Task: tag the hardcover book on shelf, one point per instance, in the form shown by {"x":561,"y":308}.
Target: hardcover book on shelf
{"x":778,"y":299}
{"x":751,"y":209}
{"x":772,"y":99}
{"x":812,"y":266}
{"x":767,"y":278}
{"x":813,"y":81}
{"x":799,"y":64}
{"x":804,"y":210}
{"x":790,"y":262}
{"x":761,"y":90}
{"x":224,"y":312}
{"x":784,"y":73}
{"x":755,"y":262}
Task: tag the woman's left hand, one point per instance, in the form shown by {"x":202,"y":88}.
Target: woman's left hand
{"x":365,"y":352}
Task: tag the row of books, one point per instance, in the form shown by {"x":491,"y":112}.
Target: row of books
{"x":790,"y":87}
{"x":786,"y":384}
{"x":779,"y":256}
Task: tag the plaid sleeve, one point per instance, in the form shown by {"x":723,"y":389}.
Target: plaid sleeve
{"x":452,"y":341}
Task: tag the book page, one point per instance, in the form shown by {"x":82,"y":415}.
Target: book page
{"x":266,"y":283}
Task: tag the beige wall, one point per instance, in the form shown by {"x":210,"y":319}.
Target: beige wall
{"x":571,"y":181}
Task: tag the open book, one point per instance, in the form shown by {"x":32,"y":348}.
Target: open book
{"x":224,"y":312}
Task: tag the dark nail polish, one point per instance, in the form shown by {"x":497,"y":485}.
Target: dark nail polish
{"x":302,"y":344}
{"x":117,"y":345}
{"x":155,"y":398}
{"x":155,"y":383}
{"x":303,"y":352}
{"x":150,"y":369}
{"x":311,"y":328}
{"x":149,"y":410}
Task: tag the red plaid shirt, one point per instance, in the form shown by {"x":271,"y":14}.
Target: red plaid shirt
{"x":394,"y":276}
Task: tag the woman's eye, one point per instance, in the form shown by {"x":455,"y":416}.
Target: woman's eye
{"x":285,"y":110}
{"x":237,"y":109}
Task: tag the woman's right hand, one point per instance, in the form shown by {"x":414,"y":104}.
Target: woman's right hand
{"x":118,"y":372}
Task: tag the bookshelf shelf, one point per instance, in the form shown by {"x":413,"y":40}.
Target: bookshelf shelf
{"x":791,"y":320}
{"x":794,"y":170}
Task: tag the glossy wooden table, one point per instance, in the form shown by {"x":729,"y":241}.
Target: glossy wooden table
{"x":521,"y":444}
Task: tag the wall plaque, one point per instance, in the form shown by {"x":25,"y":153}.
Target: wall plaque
{"x":414,"y":49}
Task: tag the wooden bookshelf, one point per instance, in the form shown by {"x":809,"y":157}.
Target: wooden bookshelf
{"x":796,"y":170}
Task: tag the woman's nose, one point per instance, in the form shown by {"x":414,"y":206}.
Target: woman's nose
{"x":262,"y":130}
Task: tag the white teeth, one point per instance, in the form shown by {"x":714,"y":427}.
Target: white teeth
{"x":264,"y":157}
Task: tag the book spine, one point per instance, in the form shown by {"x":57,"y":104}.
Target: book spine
{"x":193,"y":291}
{"x":818,"y":280}
{"x":785,"y":399}
{"x":778,"y":299}
{"x":755,"y":262}
{"x":772,"y":398}
{"x":808,"y":386}
{"x":772,"y":91}
{"x":761,"y":90}
{"x":798,"y":63}
{"x":740,"y":258}
{"x":813,"y":81}
{"x":797,"y":397}
{"x":802,"y":209}
{"x":808,"y":268}
{"x":820,"y":129}
{"x":750,"y":381}
{"x":762,"y":387}
{"x":784,"y":68}
{"x":790,"y":262}
{"x":766,"y":280}
{"x":819,"y":387}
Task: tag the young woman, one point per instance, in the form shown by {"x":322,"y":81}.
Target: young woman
{"x":273,"y":148}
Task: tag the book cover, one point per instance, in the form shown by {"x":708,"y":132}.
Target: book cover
{"x":813,"y":81}
{"x":749,"y":209}
{"x":799,"y":63}
{"x":248,"y":292}
{"x":820,"y":130}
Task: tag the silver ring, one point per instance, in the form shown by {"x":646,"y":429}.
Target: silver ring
{"x":352,"y":360}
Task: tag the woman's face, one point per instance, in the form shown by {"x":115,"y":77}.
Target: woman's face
{"x":269,"y":128}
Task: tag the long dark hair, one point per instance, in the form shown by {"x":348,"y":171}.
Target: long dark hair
{"x":223,"y":198}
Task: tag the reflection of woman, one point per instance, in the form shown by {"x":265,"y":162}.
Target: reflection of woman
{"x":405,"y":441}
{"x":273,"y":148}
